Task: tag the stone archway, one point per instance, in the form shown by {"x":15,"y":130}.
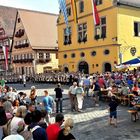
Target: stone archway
{"x":66,"y":69}
{"x":107,"y":67}
{"x":83,"y":67}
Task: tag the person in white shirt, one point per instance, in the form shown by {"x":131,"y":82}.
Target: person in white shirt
{"x":14,"y":137}
{"x":17,"y":123}
{"x":73,"y":98}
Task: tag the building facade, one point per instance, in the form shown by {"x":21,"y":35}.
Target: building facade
{"x":35,"y":46}
{"x":89,"y":48}
{"x":7,"y":22}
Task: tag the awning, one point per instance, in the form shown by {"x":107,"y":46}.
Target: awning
{"x":131,"y":62}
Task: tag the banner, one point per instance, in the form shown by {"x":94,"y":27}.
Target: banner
{"x":5,"y":51}
{"x":63,"y":8}
{"x":95,"y":13}
{"x":74,"y":10}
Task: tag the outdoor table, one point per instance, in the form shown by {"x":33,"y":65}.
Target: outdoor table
{"x":137,"y":105}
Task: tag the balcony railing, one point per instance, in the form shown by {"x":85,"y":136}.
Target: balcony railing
{"x":21,"y":46}
{"x":27,"y":60}
{"x":42,"y":60}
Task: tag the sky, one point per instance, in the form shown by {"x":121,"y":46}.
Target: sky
{"x":50,"y":6}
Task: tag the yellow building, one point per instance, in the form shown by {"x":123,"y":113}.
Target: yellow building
{"x":91,"y":48}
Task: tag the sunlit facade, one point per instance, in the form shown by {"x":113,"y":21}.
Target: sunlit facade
{"x":91,"y":48}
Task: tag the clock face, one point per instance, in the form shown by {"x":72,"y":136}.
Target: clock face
{"x":133,"y":51}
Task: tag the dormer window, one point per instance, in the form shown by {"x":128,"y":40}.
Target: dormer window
{"x":18,"y":20}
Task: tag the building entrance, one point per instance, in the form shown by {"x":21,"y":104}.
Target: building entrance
{"x":107,"y":67}
{"x":66,"y":69}
{"x":83,"y":67}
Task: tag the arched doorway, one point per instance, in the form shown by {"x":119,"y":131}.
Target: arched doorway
{"x":107,"y":67}
{"x":83,"y":67}
{"x":66,"y":69}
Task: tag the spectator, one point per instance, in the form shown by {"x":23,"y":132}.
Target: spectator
{"x":53,"y":129}
{"x":33,"y":95}
{"x":80,"y":96}
{"x":15,"y":106}
{"x":58,"y":98}
{"x":64,"y":134}
{"x":28,"y":117}
{"x":17,"y":123}
{"x":14,"y":137}
{"x":38,"y":132}
{"x":73,"y":98}
{"x":113,"y":111}
{"x":86,"y":84}
{"x":3,"y":121}
{"x":48,"y":103}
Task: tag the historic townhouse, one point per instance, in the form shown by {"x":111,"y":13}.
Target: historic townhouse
{"x":91,"y":48}
{"x":35,"y":46}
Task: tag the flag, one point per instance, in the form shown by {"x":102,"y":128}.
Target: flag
{"x":63,"y":8}
{"x":5,"y":51}
{"x":95,"y":13}
{"x":74,"y":10}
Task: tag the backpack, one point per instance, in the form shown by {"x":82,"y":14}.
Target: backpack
{"x":27,"y":134}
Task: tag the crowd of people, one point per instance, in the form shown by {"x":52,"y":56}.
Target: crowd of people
{"x":30,"y":120}
{"x":22,"y":120}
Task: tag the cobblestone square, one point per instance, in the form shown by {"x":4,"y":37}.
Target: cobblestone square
{"x":92,"y":123}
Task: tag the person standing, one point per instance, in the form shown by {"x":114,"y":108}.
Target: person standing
{"x":33,"y":95}
{"x":65,"y":133}
{"x":53,"y":129}
{"x":73,"y":98}
{"x":86,"y":84}
{"x":58,"y":98}
{"x":113,"y":110}
{"x":80,"y":96}
{"x":24,"y":80}
{"x":2,"y":82}
{"x":48,"y":103}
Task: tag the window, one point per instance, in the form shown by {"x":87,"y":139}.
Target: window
{"x":98,"y":2}
{"x":97,"y":65}
{"x":100,"y":30}
{"x":82,"y":32}
{"x":67,"y":36}
{"x":106,"y":52}
{"x":19,"y":20}
{"x":73,"y":55}
{"x":25,"y":56}
{"x":136,"y":28}
{"x":93,"y":53}
{"x":65,"y":56}
{"x":68,"y":11}
{"x":40,"y":55}
{"x":47,"y":55}
{"x":82,"y":54}
{"x":81,"y":6}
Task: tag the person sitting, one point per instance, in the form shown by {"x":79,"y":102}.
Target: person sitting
{"x":135,"y":89}
{"x":64,"y":133}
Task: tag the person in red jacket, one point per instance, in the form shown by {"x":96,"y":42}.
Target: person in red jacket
{"x":53,"y":129}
